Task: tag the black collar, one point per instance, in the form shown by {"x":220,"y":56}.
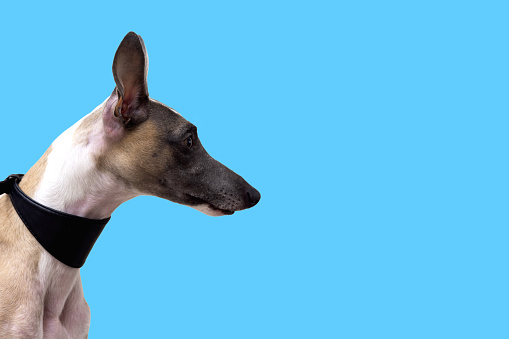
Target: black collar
{"x":67,"y":237}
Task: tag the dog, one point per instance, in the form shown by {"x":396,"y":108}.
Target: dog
{"x":129,"y":145}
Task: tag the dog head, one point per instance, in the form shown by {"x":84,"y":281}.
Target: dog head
{"x":152,"y":149}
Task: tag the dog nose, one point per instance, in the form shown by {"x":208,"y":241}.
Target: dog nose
{"x":253,"y":196}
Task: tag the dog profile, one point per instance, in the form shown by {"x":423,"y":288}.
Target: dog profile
{"x":129,"y":145}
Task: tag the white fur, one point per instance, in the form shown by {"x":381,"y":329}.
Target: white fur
{"x":206,"y":209}
{"x":72,"y":184}
{"x":66,"y":314}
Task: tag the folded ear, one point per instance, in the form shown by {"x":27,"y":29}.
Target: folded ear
{"x":130,"y":67}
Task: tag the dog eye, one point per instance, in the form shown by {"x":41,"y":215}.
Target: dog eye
{"x":189,"y":142}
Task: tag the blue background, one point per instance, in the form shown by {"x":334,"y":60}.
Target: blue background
{"x":375,"y":131}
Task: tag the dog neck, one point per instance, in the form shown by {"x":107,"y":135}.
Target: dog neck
{"x":67,"y":179}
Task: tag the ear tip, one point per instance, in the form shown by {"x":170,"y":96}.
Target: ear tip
{"x":131,"y":33}
{"x":130,"y":45}
{"x":131,"y":36}
{"x":132,"y":39}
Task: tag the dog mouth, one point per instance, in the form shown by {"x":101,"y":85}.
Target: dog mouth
{"x":216,"y":211}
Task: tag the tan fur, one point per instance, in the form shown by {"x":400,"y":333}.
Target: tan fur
{"x":19,"y":257}
{"x":132,"y":159}
{"x":33,"y":177}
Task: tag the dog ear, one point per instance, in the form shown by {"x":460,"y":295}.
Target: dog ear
{"x":130,"y":67}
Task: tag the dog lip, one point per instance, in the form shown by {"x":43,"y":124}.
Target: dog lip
{"x":199,"y":201}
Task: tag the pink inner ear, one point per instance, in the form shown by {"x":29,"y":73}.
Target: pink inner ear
{"x":113,"y":126}
{"x":124,"y":109}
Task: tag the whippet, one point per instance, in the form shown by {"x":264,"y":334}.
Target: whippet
{"x":129,"y":145}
